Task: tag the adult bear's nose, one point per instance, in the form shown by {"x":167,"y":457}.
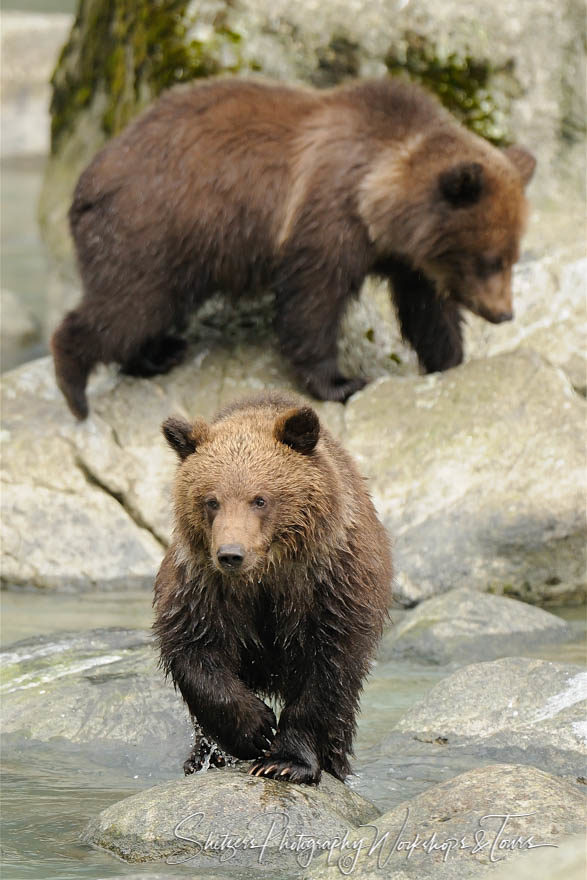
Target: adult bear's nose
{"x":231,"y":555}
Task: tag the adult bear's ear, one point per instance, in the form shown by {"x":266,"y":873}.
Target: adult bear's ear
{"x":298,"y":428}
{"x":462,"y":185}
{"x":523,"y":160}
{"x":183,"y":437}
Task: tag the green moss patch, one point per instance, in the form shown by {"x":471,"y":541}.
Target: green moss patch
{"x":461,"y":82}
{"x":129,"y":51}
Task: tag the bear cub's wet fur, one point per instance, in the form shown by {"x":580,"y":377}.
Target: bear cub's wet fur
{"x":240,"y":185}
{"x":276,"y":584}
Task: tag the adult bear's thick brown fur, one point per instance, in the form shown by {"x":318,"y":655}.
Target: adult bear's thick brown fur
{"x":276,"y":584}
{"x":236,"y":185}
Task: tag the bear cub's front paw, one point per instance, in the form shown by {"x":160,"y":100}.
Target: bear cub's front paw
{"x":286,"y":768}
{"x":253,"y":733}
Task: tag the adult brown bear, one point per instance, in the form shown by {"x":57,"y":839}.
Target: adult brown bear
{"x":277,"y":583}
{"x":238,"y":185}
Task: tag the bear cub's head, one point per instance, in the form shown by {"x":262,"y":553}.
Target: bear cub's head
{"x":250,"y":488}
{"x":454,"y":207}
{"x":482,"y":211}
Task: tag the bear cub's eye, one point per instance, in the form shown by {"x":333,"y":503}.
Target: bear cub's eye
{"x":259,"y":501}
{"x":212,"y":503}
{"x":487,"y":266}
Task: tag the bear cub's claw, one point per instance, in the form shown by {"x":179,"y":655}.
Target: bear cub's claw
{"x":286,"y":770}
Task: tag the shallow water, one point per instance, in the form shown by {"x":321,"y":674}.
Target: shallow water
{"x":51,"y":790}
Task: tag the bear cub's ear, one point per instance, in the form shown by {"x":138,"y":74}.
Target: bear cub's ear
{"x":523,"y":160}
{"x":462,"y":184}
{"x":183,"y":437}
{"x":299,"y":429}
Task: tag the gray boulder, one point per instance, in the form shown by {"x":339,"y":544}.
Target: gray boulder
{"x":513,"y":710}
{"x":550,"y":305}
{"x":174,"y":821}
{"x":478,"y":481}
{"x":482,"y":821}
{"x":463,"y":626}
{"x":511,"y":702}
{"x":97,"y":694}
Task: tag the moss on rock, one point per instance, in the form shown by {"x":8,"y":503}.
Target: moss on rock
{"x":460,"y":81}
{"x":130,"y":51}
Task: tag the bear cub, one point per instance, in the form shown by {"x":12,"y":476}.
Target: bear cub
{"x":276,"y":585}
{"x":239,"y":185}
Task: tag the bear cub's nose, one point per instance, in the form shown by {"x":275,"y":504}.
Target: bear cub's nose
{"x":231,"y":555}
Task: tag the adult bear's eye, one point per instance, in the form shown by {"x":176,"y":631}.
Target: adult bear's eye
{"x":212,"y":503}
{"x":259,"y":501}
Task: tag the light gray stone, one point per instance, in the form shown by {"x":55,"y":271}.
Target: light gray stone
{"x":476,"y":481}
{"x":173,"y":821}
{"x":550,"y":301}
{"x":476,"y":824}
{"x":508,"y":703}
{"x":479,"y":475}
{"x":462,"y":626}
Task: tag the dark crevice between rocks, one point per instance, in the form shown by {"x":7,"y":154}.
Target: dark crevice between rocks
{"x":136,"y":517}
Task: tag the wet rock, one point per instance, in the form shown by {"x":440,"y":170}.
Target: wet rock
{"x":469,"y":826}
{"x":98,"y":693}
{"x":462,"y":626}
{"x":173,"y":821}
{"x":479,"y":474}
{"x":513,"y":701}
{"x":515,"y":710}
